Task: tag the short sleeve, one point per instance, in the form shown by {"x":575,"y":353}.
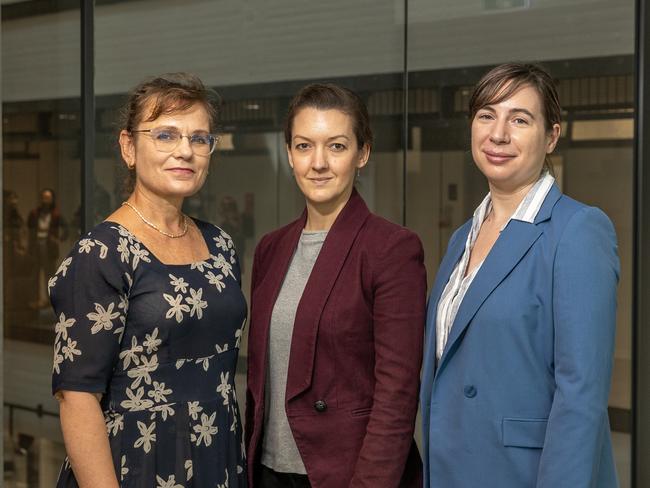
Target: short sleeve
{"x":89,"y":294}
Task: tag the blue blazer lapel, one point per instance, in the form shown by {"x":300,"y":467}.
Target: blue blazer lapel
{"x":511,"y":246}
{"x":452,"y":256}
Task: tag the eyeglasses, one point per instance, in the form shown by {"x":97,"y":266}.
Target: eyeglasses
{"x":166,"y":140}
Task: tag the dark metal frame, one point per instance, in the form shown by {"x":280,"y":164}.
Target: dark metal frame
{"x":87,"y":112}
{"x":641,"y":256}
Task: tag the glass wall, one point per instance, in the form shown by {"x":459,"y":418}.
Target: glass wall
{"x":41,"y":200}
{"x":257,"y":54}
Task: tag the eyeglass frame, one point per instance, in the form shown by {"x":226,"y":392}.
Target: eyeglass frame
{"x":180,"y":138}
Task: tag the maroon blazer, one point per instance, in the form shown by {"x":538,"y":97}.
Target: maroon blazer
{"x":356,"y":350}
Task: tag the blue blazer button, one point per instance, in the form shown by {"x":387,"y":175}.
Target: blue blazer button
{"x":470,"y":391}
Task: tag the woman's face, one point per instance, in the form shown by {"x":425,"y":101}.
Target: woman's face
{"x":324,"y":156}
{"x":510,"y":140}
{"x":176,"y":174}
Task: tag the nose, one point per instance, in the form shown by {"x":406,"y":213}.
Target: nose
{"x":184,"y":149}
{"x":499,"y":132}
{"x":319,"y":159}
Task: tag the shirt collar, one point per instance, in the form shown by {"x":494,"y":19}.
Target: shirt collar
{"x":528,"y":208}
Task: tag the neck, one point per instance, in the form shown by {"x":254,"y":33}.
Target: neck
{"x":505,"y":202}
{"x":321,"y":216}
{"x":165,"y":212}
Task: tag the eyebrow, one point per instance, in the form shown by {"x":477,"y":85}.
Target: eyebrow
{"x":298,"y":136}
{"x":512,"y":111}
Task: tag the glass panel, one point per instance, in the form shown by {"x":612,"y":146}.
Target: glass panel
{"x":40,"y":133}
{"x":451,"y":44}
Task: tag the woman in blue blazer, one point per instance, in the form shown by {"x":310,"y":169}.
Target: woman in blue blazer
{"x":521,"y":317}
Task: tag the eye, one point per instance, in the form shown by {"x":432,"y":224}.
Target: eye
{"x":520,"y":121}
{"x":201,"y":139}
{"x":165,"y":135}
{"x":337,"y":147}
{"x":302,"y":146}
{"x":484,"y":116}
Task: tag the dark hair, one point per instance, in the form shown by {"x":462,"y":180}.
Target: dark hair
{"x":162,"y":95}
{"x":328,"y":96}
{"x":502,"y":82}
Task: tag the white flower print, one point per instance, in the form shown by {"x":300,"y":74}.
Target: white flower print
{"x":205,"y":362}
{"x":194,"y":409}
{"x":159,"y":391}
{"x":225,"y":387}
{"x":170,"y":483}
{"x":63,"y":267}
{"x":128,"y":355}
{"x":197,"y":302}
{"x":58,"y":358}
{"x":147,"y":436}
{"x":221,"y":242}
{"x":216,"y":280}
{"x":221,"y":349}
{"x":61,"y":327}
{"x":85,"y":245}
{"x":103,"y":249}
{"x":200,"y":265}
{"x":103,"y":318}
{"x":70,"y":350}
{"x":188,"y":467}
{"x":176,"y":307}
{"x":123,"y":249}
{"x":179,"y":284}
{"x":123,"y":469}
{"x":123,"y":306}
{"x":114,"y":423}
{"x":180,"y":363}
{"x":135,"y":402}
{"x":225,"y":483}
{"x":123,"y":232}
{"x":50,"y":284}
{"x":129,"y":280}
{"x":205,"y":430}
{"x":142,"y":372}
{"x":151,"y":342}
{"x":166,"y":410}
{"x":139,"y":254}
{"x":221,"y":263}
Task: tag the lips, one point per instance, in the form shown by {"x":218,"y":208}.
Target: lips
{"x":320,"y":181}
{"x":495,"y":157}
{"x":182,"y":171}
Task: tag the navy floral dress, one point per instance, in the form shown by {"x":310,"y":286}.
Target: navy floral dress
{"x":160,"y":342}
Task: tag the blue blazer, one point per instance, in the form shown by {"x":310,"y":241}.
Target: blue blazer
{"x":519,"y":396}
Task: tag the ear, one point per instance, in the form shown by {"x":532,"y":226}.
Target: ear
{"x":127,"y":149}
{"x":552,"y":138}
{"x":289,"y":157}
{"x":364,"y":155}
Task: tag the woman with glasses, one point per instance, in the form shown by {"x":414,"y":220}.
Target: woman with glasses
{"x":337,"y":318}
{"x":150,"y":312}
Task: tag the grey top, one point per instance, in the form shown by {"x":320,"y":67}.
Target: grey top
{"x":279,"y":450}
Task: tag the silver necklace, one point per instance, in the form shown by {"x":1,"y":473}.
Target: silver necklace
{"x":155,"y":227}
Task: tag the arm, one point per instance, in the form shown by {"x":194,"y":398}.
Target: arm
{"x":585,"y":278}
{"x":84,"y":433}
{"x":398,"y":312}
{"x":89,"y":293}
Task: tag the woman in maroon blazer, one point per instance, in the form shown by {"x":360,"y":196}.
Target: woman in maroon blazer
{"x":337,"y":320}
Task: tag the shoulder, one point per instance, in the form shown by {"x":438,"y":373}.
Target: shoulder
{"x":570,"y":216}
{"x":270,"y":241}
{"x":380,"y":236}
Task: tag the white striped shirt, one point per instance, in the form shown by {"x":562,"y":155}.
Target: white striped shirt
{"x":458,"y":283}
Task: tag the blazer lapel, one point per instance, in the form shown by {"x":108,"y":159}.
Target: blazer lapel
{"x":452,"y":256}
{"x":323,"y":276}
{"x":511,"y":246}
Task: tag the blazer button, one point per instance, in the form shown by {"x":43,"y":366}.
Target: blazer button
{"x":320,"y":405}
{"x":470,"y":391}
